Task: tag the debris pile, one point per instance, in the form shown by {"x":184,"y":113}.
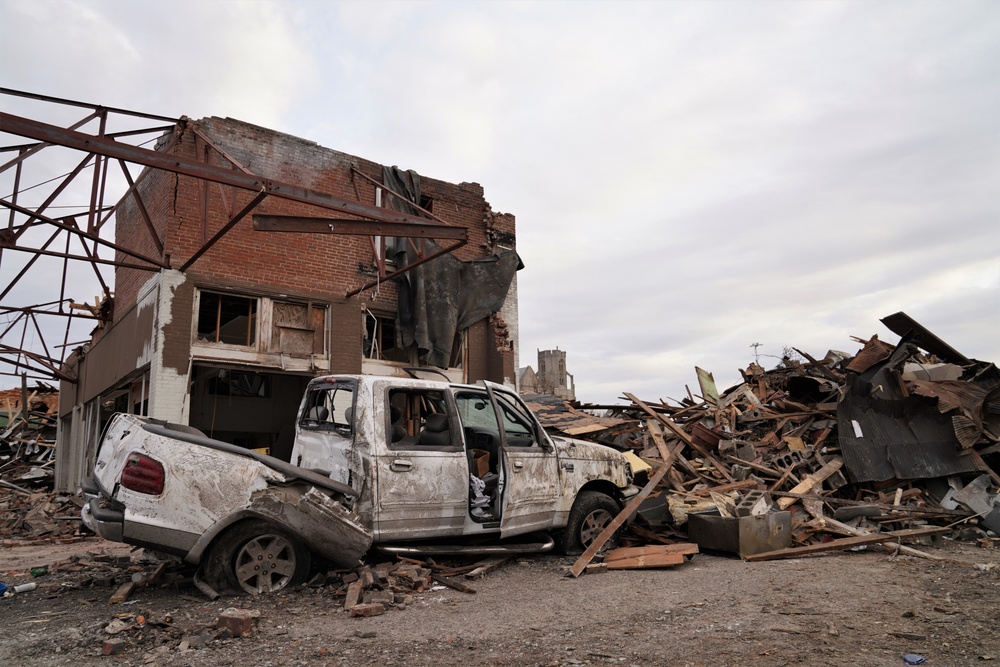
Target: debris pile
{"x":27,"y":447}
{"x":892,"y":443}
{"x":28,"y":518}
{"x":371,"y":590}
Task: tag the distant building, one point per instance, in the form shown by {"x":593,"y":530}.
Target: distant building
{"x":551,"y":377}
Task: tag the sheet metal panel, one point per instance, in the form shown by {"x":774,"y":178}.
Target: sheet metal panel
{"x":884,"y":435}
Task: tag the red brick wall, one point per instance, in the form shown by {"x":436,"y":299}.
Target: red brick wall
{"x":285,"y":262}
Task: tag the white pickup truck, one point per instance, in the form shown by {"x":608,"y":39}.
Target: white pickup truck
{"x":377,"y":460}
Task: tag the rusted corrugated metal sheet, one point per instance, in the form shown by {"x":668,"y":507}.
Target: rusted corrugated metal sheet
{"x":873,"y":352}
{"x":884,"y":435}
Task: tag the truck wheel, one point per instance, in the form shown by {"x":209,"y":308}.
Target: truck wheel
{"x":258,"y":557}
{"x":591,"y":512}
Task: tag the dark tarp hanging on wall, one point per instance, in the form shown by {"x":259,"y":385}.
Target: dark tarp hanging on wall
{"x":446,"y":295}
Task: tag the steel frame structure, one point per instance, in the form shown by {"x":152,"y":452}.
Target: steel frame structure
{"x":78,"y":238}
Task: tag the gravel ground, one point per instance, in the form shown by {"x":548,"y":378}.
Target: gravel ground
{"x":860,"y":608}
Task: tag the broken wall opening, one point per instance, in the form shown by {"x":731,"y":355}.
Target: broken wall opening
{"x":247,"y":408}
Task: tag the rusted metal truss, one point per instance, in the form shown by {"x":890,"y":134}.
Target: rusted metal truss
{"x":62,"y":188}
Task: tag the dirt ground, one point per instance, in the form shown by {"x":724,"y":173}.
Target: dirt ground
{"x":859,"y":608}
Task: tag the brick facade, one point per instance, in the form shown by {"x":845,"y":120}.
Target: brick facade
{"x":319,"y":268}
{"x":293,"y":262}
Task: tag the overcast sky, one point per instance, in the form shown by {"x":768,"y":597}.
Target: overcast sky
{"x":689,"y":178}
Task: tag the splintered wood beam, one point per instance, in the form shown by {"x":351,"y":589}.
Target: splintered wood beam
{"x":452,"y":583}
{"x":683,"y":435}
{"x":844,"y":543}
{"x":891,"y":545}
{"x":811,"y":481}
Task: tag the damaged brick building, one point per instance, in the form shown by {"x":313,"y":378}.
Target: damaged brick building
{"x":250,"y":307}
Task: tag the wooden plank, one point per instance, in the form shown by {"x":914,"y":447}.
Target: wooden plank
{"x":647,"y":562}
{"x":981,"y":464}
{"x":153,"y":576}
{"x":649,"y":535}
{"x":123,"y":593}
{"x":452,"y":583}
{"x":722,"y":488}
{"x":623,"y":516}
{"x":684,"y":549}
{"x":892,"y":545}
{"x":656,"y":433}
{"x":811,"y":481}
{"x":844,"y":543}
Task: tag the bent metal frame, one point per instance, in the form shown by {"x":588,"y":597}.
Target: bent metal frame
{"x":106,"y":161}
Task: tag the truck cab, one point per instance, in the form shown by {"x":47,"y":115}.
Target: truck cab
{"x":430,"y":459}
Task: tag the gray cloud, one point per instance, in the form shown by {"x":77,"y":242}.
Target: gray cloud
{"x":689,"y":178}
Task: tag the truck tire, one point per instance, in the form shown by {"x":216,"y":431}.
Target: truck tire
{"x":258,"y":557}
{"x":591,"y":512}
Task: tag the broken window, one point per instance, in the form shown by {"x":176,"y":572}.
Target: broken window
{"x":480,"y":421}
{"x":418,"y":419}
{"x":330,"y":407}
{"x":517,"y":425}
{"x":243,"y":384}
{"x":224,"y":318}
{"x":380,"y":339}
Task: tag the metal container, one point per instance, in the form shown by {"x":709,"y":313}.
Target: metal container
{"x":744,"y":536}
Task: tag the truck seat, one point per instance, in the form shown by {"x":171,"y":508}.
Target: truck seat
{"x":435,"y":432}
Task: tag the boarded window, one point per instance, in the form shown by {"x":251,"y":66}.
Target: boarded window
{"x":224,"y":318}
{"x":299,"y":329}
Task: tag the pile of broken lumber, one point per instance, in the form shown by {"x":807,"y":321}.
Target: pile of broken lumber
{"x":897,"y":442}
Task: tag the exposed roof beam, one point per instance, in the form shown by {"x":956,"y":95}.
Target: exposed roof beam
{"x":295,"y":223}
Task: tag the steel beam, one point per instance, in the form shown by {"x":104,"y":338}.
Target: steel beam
{"x":53,"y":134}
{"x":295,"y":223}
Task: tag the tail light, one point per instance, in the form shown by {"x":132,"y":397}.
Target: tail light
{"x":143,"y":474}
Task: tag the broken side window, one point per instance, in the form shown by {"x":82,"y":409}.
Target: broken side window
{"x":476,"y":413}
{"x":330,"y":407}
{"x":517,"y":425}
{"x":418,"y":418}
{"x":225,"y":318}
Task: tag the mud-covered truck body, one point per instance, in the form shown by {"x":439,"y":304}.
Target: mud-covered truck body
{"x":377,"y":460}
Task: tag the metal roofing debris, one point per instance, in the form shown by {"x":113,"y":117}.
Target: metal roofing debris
{"x":884,"y":435}
{"x":902,"y":324}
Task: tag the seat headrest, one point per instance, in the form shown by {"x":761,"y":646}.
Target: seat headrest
{"x":436,"y":422}
{"x":318,"y":413}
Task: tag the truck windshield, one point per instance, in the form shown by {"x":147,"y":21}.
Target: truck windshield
{"x":329,"y":407}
